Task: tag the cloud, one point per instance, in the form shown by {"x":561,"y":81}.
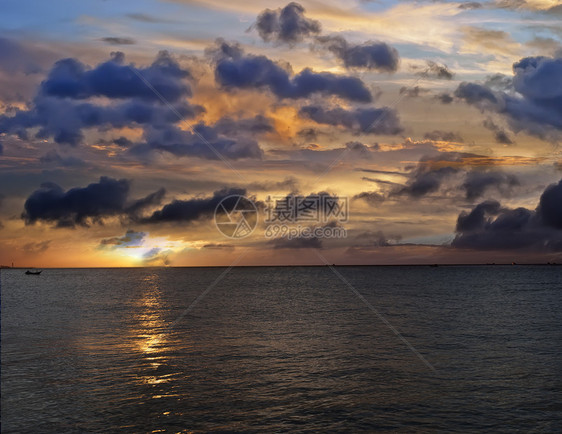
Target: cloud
{"x":412,"y":92}
{"x":444,"y":98}
{"x":65,"y":103}
{"x":376,"y":239}
{"x":70,"y":78}
{"x":1,"y":148}
{"x":370,"y":55}
{"x":549,"y":210}
{"x":286,"y":25}
{"x":218,"y":246}
{"x":144,"y":18}
{"x":130,"y":239}
{"x":497,"y":42}
{"x":426,"y":181}
{"x":53,"y":157}
{"x":548,"y":6}
{"x":83,"y":205}
{"x":371,"y":197}
{"x":36,"y":247}
{"x":489,"y":226}
{"x":477,"y":183}
{"x":534,"y":101}
{"x":359,"y":121}
{"x":445,"y":136}
{"x":230,"y":139}
{"x":499,"y":133}
{"x":434,"y":70}
{"x":185,"y":211}
{"x":470,"y":5}
{"x":138,"y":206}
{"x":65,"y":106}
{"x":235,"y":70}
{"x":296,"y":243}
{"x":289,"y":25}
{"x":113,"y":40}
{"x":138,"y":242}
{"x":157,"y":255}
{"x":431,"y":173}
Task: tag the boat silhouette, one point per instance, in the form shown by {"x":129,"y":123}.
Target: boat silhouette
{"x":34,"y":273}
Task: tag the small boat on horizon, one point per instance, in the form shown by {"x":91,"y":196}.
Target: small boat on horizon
{"x":33,"y":273}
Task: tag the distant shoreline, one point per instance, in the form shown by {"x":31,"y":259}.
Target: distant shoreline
{"x":541,"y":264}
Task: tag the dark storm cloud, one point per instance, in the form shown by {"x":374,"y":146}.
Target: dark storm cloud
{"x":362,"y":120}
{"x":489,"y":226}
{"x":288,"y":24}
{"x":550,"y":206}
{"x":64,"y":120}
{"x":76,"y":206}
{"x":235,"y":70}
{"x":477,"y":183}
{"x":83,"y":205}
{"x":370,"y":55}
{"x":425,"y":181}
{"x":70,"y":78}
{"x":114,"y":40}
{"x":225,"y":138}
{"x":537,"y":109}
{"x":139,"y":205}
{"x":474,"y":93}
{"x":432,"y":173}
{"x":60,"y":112}
{"x":185,"y":211}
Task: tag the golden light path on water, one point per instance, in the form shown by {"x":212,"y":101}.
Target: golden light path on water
{"x":154,"y":344}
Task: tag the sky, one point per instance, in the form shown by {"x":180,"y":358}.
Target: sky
{"x":435,"y":125}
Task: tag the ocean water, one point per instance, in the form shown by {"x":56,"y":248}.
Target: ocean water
{"x":282,"y":349}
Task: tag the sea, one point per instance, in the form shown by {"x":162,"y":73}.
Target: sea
{"x":282,"y":349}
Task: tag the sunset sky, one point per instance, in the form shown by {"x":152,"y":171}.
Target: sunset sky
{"x":123,"y":124}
